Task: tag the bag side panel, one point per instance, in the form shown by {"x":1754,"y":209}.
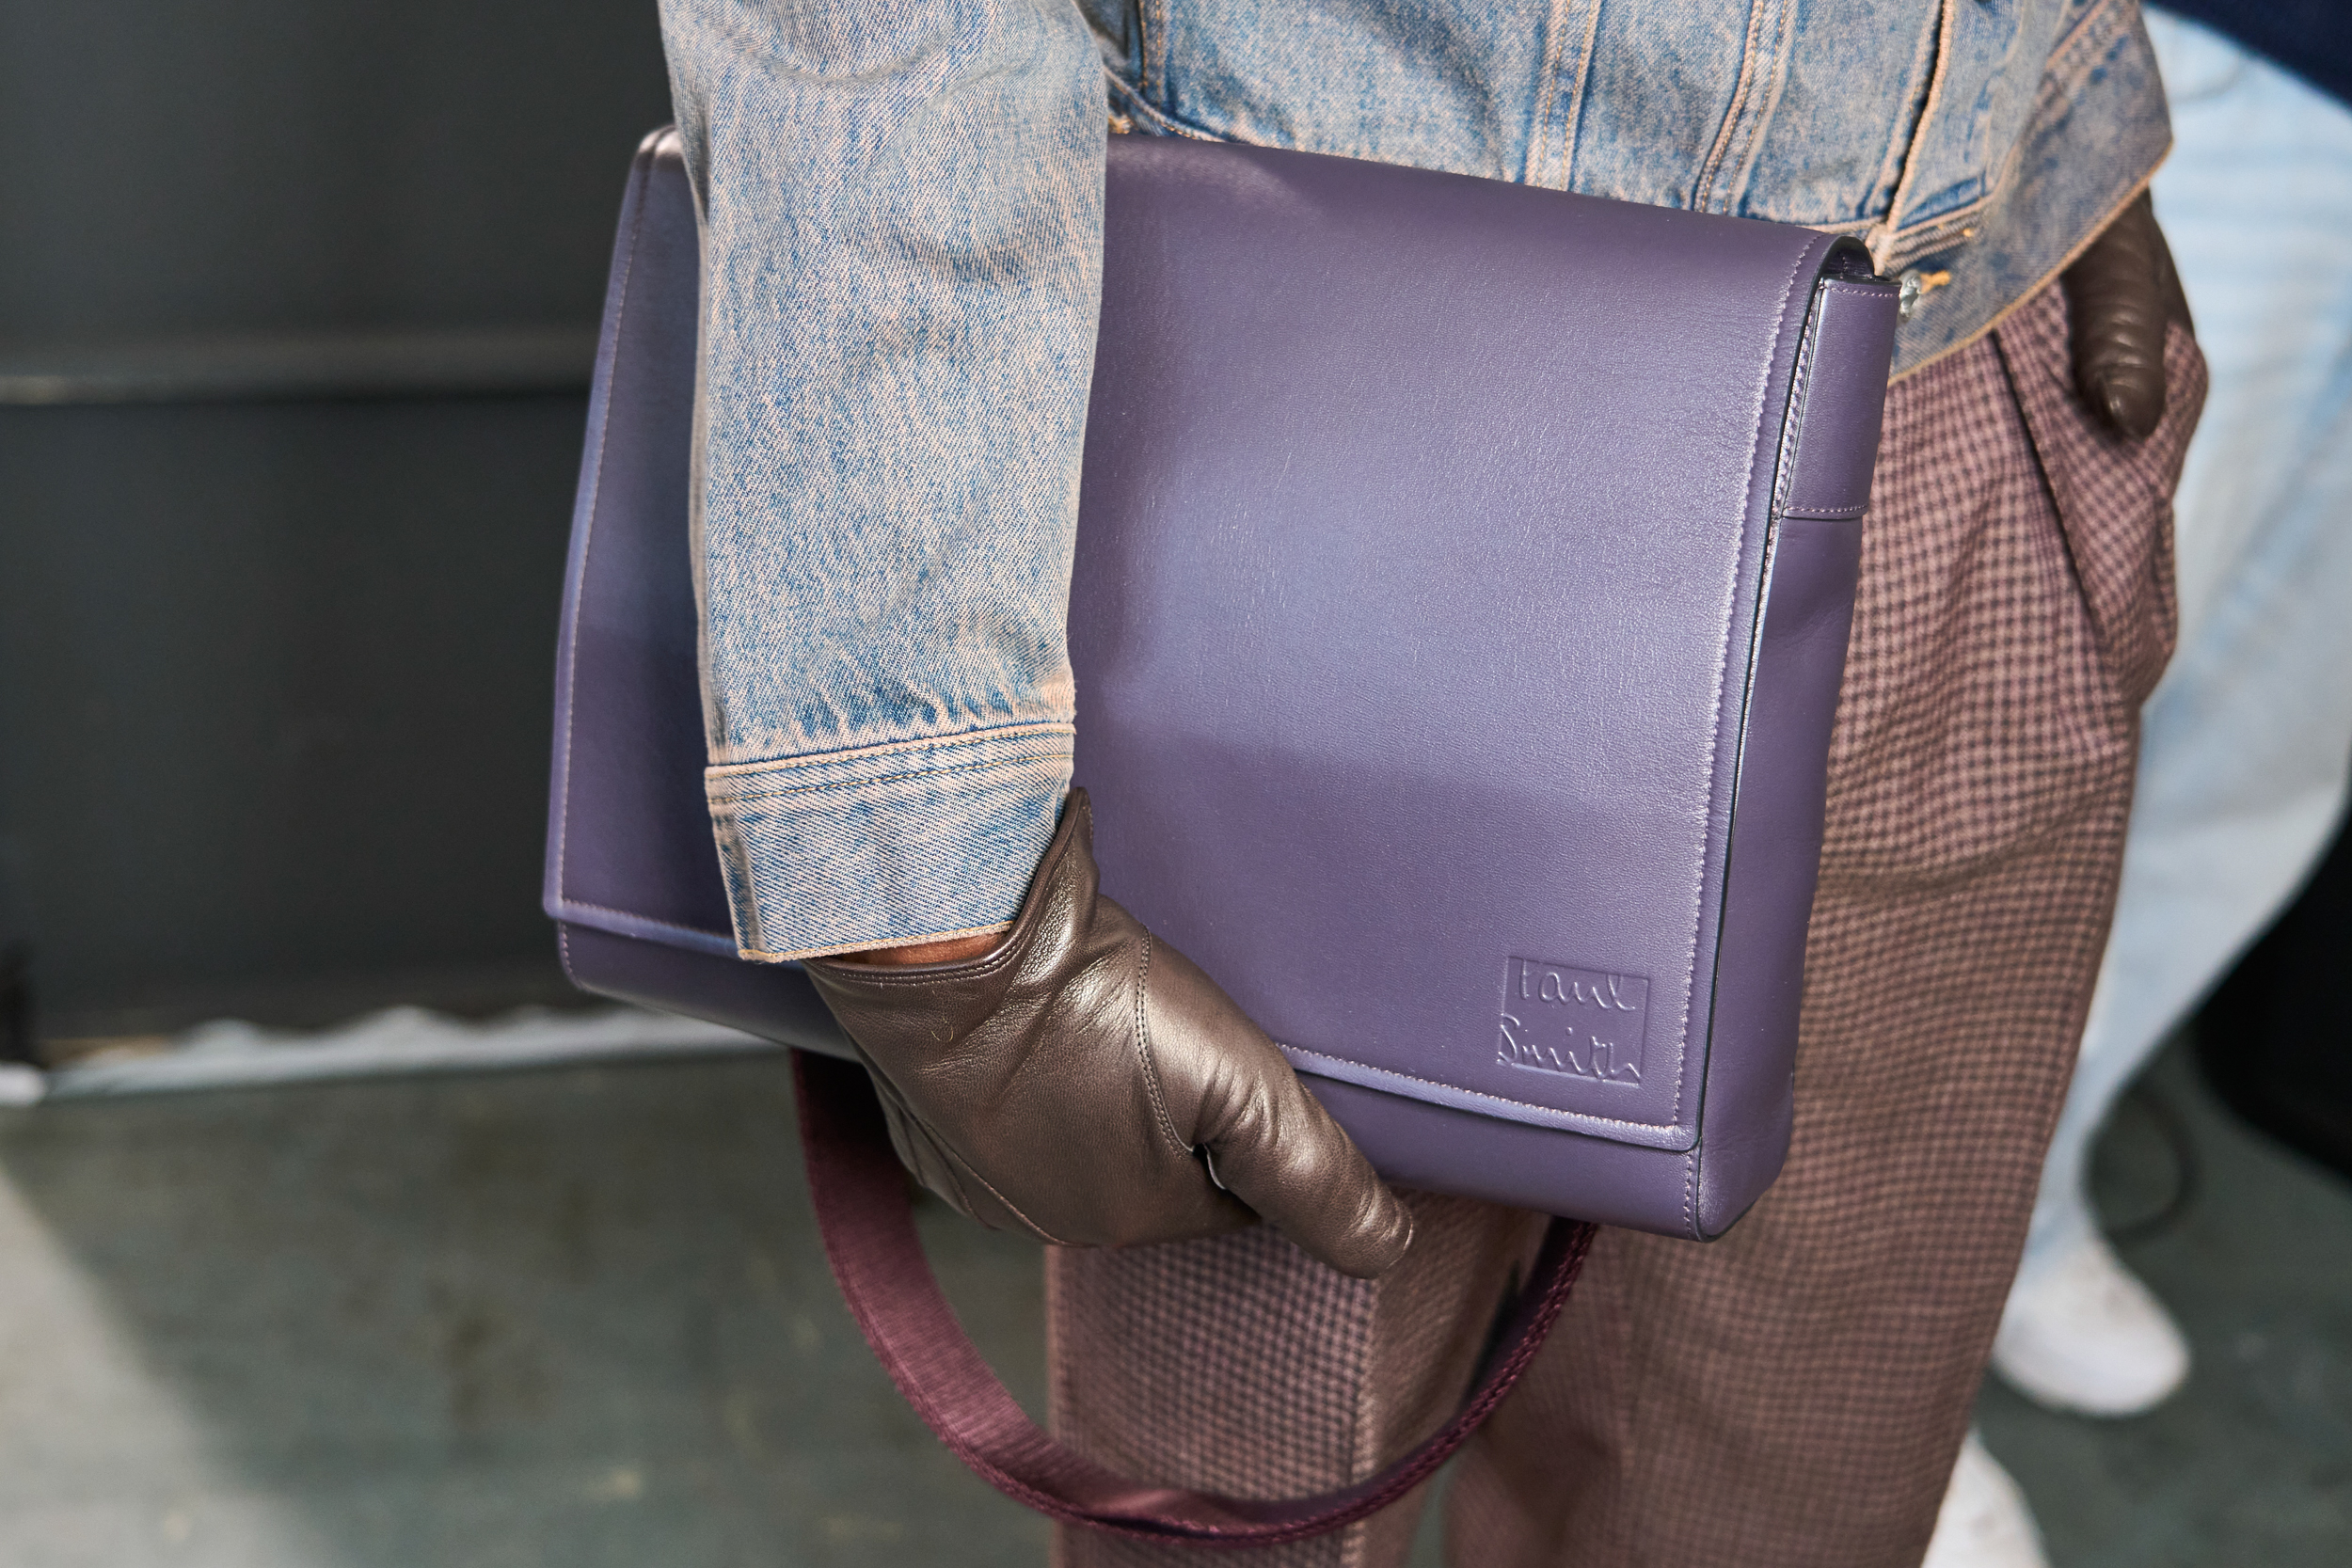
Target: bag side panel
{"x":1784,"y":766}
{"x":629,"y":842}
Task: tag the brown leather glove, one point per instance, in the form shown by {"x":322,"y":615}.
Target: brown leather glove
{"x":2119,"y":295}
{"x":1087,"y":1082}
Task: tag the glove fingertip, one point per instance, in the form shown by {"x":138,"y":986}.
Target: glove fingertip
{"x":1376,"y":1242}
{"x":1389,"y":1247}
{"x":2134,"y":418}
{"x":1324,"y":1196}
{"x":2131,"y":405}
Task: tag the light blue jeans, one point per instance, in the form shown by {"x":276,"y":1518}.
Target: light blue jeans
{"x":901,"y":203}
{"x":2248,"y":742}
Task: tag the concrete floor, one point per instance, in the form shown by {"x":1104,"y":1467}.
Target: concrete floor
{"x":568,"y":1318}
{"x":577,"y":1317}
{"x":2249,"y":1465}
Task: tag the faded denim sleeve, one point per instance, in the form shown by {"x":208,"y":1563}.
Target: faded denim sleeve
{"x":901,"y":205}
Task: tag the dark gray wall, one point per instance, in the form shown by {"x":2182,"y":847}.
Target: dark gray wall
{"x":274,"y":676}
{"x":311,"y":163}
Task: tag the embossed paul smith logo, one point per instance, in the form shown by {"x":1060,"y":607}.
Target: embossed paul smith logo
{"x":1557,"y":1018}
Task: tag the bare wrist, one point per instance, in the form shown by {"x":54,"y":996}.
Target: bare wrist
{"x":953,"y":950}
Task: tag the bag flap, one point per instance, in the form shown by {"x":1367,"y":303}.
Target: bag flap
{"x":1423,"y":529}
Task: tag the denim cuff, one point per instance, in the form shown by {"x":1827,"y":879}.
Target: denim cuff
{"x":916,"y":841}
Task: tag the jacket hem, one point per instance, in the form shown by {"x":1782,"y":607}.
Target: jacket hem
{"x":886,"y":846}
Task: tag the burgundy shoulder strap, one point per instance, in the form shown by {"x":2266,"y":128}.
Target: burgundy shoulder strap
{"x":868,"y":1223}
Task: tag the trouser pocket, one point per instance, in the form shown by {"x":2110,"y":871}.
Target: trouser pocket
{"x":2113,"y":496}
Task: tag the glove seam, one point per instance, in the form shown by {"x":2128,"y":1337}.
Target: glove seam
{"x":887,"y":1092}
{"x":1143,"y":1048}
{"x":1011,"y":1208}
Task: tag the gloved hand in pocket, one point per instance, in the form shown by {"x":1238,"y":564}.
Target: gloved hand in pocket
{"x":2120,"y":294}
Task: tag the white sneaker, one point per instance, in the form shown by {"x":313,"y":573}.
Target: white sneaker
{"x":2082,"y":1333}
{"x":1984,"y":1522}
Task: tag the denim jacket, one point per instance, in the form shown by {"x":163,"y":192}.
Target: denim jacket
{"x":901,"y":203}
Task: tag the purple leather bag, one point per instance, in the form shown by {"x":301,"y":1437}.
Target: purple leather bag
{"x":1463,"y":581}
{"x":1462,"y":590}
